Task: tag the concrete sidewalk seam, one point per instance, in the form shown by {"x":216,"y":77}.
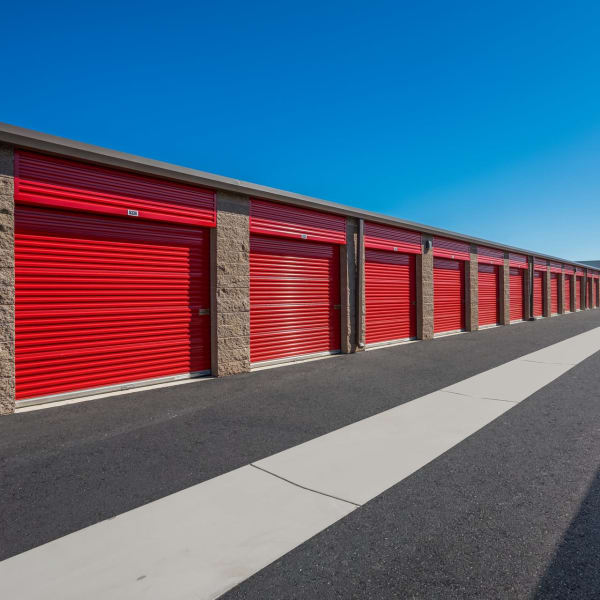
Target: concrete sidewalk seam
{"x":304,"y":487}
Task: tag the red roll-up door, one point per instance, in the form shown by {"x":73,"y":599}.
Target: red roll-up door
{"x":567,"y":293}
{"x":538,"y":293}
{"x":553,"y":293}
{"x":488,"y":294}
{"x":516,"y":294}
{"x":103,"y":300}
{"x":294,"y":298}
{"x":578,"y":286}
{"x":390,"y":296}
{"x":448,"y":295}
{"x":597,"y":292}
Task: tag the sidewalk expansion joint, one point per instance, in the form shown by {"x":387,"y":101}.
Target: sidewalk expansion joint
{"x":544,"y":362}
{"x":304,"y":487}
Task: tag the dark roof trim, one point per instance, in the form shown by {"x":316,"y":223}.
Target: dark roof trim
{"x":50,"y":144}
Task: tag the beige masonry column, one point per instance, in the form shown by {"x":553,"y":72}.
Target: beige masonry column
{"x":561,"y":293}
{"x":7,"y":282}
{"x":547,"y":293}
{"x":352,"y":335}
{"x":472,"y":292}
{"x":230,"y":286}
{"x":505,"y":292}
{"x":425,"y":289}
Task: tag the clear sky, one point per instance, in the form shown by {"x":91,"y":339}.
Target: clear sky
{"x":479,"y":117}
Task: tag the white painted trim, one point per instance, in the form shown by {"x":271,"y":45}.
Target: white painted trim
{"x":447,"y":333}
{"x":110,"y":390}
{"x":377,"y":345}
{"x":281,"y":362}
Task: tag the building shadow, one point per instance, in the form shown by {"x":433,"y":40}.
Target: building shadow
{"x":574,"y":572}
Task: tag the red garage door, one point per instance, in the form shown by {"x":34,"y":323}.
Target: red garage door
{"x":294,"y":298}
{"x":538,"y":293}
{"x":554,"y":293}
{"x":516,"y":294}
{"x":597,"y":292}
{"x":390,"y":296}
{"x":567,"y":293}
{"x":103,"y":300}
{"x":448,"y":295}
{"x":578,"y":285}
{"x":488,"y":294}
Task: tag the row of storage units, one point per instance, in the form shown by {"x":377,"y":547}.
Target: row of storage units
{"x":113,"y":279}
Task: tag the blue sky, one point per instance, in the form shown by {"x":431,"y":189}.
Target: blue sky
{"x":482,"y":118}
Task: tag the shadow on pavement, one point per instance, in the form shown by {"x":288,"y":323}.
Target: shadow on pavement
{"x":575,"y":569}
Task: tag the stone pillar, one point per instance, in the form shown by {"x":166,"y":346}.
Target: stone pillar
{"x":230,"y":286}
{"x":573,"y":287}
{"x":472,"y":292}
{"x":547,"y":293}
{"x":348,"y":283}
{"x":584,"y":295}
{"x":505,"y":292}
{"x":425,"y":289}
{"x":7,"y":282}
{"x":561,"y":294}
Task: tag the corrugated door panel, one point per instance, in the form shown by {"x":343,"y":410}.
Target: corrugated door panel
{"x":519,"y":261}
{"x":516,"y":294}
{"x":553,"y":293}
{"x":390,"y":296}
{"x":597,"y":292}
{"x":101,"y":300}
{"x":488,"y":294}
{"x":282,"y":220}
{"x":47,"y":181}
{"x":567,"y":294}
{"x":538,"y":293}
{"x":453,"y":249}
{"x":448,"y":295}
{"x":539,"y":264}
{"x":384,"y":237}
{"x":490,"y":256}
{"x":578,"y":285}
{"x":294,"y":298}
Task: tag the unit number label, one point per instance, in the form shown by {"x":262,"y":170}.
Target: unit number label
{"x":132,"y":213}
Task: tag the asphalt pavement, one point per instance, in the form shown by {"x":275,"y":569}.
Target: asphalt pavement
{"x":509,"y":512}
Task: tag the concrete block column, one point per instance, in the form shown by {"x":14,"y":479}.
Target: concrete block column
{"x":573,"y":288}
{"x":505,"y":292}
{"x":425,"y":289}
{"x":472,"y":292}
{"x":230,"y":286}
{"x":547,"y":293}
{"x":352,"y":331}
{"x":7,"y":281}
{"x":561,"y":294}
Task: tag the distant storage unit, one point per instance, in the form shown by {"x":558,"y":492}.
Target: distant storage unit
{"x":130,"y":272}
{"x":579,"y":289}
{"x":390,"y":283}
{"x":517,"y":271}
{"x":539,"y":275}
{"x":568,"y":299}
{"x":294,"y":281}
{"x":449,"y":284}
{"x":490,"y":261}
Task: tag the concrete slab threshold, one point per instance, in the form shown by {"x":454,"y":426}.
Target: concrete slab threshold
{"x":204,"y":540}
